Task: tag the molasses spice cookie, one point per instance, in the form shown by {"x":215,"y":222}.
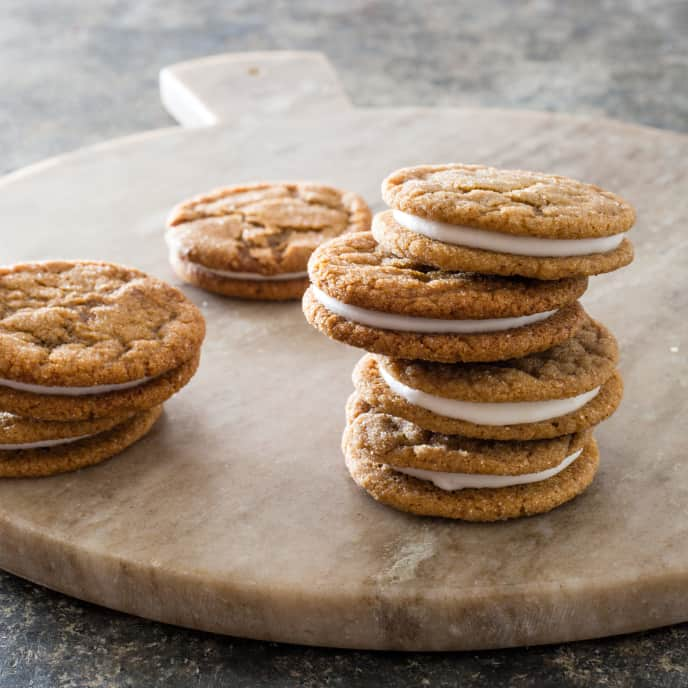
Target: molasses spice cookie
{"x":430,"y":474}
{"x":254,"y":241}
{"x":504,"y":222}
{"x":366,"y":297}
{"x":84,"y":340}
{"x":35,"y":449}
{"x":568,"y":388}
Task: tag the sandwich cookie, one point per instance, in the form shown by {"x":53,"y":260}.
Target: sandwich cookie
{"x":254,"y":241}
{"x":17,"y":432}
{"x":504,"y":222}
{"x":366,"y":297}
{"x":430,"y":474}
{"x":39,"y":449}
{"x":566,"y":389}
{"x":84,"y":340}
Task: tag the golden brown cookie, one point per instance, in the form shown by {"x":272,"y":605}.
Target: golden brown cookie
{"x":586,"y":360}
{"x":17,"y":430}
{"x":80,"y":340}
{"x":368,"y":298}
{"x":446,"y":348}
{"x":88,"y":451}
{"x":377,"y":445}
{"x":383,"y":438}
{"x":373,"y":393}
{"x":356,"y":271}
{"x":514,"y":202}
{"x":507,"y":400}
{"x":254,"y":241}
{"x":452,"y":257}
{"x":55,"y":407}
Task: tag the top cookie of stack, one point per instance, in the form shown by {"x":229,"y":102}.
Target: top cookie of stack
{"x":504,"y":222}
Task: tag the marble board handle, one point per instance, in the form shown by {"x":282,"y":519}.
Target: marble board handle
{"x":233,"y":86}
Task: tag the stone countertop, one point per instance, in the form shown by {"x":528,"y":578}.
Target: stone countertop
{"x":75,"y":73}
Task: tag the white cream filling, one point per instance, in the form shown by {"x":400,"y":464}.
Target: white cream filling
{"x":505,"y":243}
{"x":461,"y":481}
{"x":176,"y":256}
{"x":71,"y":391}
{"x":408,"y":323}
{"x":488,"y":413}
{"x":41,"y":444}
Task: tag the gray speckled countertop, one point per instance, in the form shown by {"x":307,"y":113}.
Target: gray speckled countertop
{"x":78,"y":72}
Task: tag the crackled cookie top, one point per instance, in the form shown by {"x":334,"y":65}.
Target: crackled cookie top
{"x":267,"y":229}
{"x":509,"y":201}
{"x":355,"y":270}
{"x":90,"y":323}
{"x":382,"y":438}
{"x":581,"y":363}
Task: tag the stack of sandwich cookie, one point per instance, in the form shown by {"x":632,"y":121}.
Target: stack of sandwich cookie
{"x":485,"y":376}
{"x":254,"y":241}
{"x":89,"y":351}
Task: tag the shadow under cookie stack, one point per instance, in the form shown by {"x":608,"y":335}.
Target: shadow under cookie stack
{"x":484,"y":376}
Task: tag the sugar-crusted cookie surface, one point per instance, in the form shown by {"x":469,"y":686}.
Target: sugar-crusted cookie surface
{"x":451,"y":257}
{"x":422,"y":498}
{"x":91,"y":323}
{"x":355,"y":270}
{"x":447,"y":348}
{"x":372,"y":392}
{"x":90,"y":406}
{"x":19,"y":430}
{"x":577,"y":365}
{"x":264,"y":228}
{"x":383,"y":438}
{"x":37,"y":463}
{"x":509,"y":201}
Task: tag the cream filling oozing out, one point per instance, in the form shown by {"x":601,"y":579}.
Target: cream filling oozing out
{"x":488,"y":413}
{"x":408,"y":323}
{"x":42,"y":444}
{"x":71,"y":391}
{"x":505,"y":243}
{"x":176,"y":257}
{"x":461,"y":481}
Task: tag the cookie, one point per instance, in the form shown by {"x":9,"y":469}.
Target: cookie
{"x":429,"y":474}
{"x":83,"y":340}
{"x":566,"y":389}
{"x":448,"y":256}
{"x":365,"y":297}
{"x":254,"y":241}
{"x":17,"y":430}
{"x":70,"y":455}
{"x":504,"y":222}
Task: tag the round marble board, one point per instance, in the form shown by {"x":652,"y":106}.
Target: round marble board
{"x":236,"y":515}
